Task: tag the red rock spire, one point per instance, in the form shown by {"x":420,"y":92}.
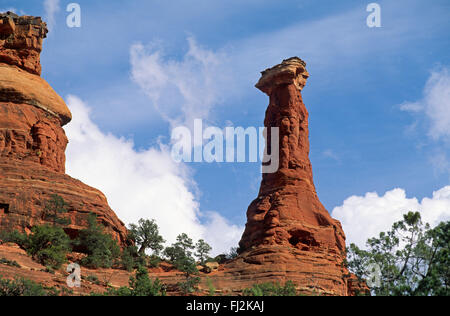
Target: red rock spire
{"x":289,"y":234}
{"x":287,"y":210}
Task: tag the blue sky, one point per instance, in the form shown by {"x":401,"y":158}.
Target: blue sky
{"x":362,"y":139}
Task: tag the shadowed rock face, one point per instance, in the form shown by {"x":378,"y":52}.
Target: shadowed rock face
{"x":289,"y":234}
{"x":32,"y":140}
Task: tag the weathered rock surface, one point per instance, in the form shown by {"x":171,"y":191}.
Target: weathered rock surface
{"x":33,"y":142}
{"x":21,"y":39}
{"x":289,"y":234}
{"x":19,"y":86}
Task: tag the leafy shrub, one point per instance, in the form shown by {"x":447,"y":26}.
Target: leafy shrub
{"x":153,"y":261}
{"x":53,"y":210}
{"x":14,"y":237}
{"x":21,"y":287}
{"x":190,"y":285}
{"x":48,"y":245}
{"x":180,"y":255}
{"x":139,"y":285}
{"x":129,"y":258}
{"x":211,"y":287}
{"x":101,"y":249}
{"x":271,"y":289}
{"x":10,"y":263}
{"x":93,"y":279}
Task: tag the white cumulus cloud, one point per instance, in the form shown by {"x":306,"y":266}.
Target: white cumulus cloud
{"x":435,"y":104}
{"x":364,"y":217}
{"x":142,"y":183}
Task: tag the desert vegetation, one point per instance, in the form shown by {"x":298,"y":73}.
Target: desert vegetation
{"x":410,"y":259}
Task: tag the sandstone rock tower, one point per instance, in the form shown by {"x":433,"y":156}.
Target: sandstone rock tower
{"x":289,"y":234}
{"x":32,"y":141}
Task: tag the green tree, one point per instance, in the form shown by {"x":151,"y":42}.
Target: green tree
{"x":101,"y":249}
{"x":412,"y":259}
{"x":53,"y":210}
{"x":185,"y":243}
{"x":139,"y":285}
{"x":130,"y":258}
{"x":202,"y":251}
{"x":180,"y":254}
{"x":146,"y":235}
{"x":48,"y":245}
{"x":173,"y":252}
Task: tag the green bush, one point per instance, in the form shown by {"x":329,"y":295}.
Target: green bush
{"x":48,"y":245}
{"x":180,"y":255}
{"x":271,"y":289}
{"x":153,"y":261}
{"x":130,"y":259}
{"x":139,"y":285}
{"x":21,"y":287}
{"x":190,"y":285}
{"x":93,"y":279}
{"x":14,"y":237}
{"x":10,"y":263}
{"x":53,"y":210}
{"x":101,"y":249}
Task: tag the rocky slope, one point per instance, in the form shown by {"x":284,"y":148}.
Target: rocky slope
{"x":32,"y":140}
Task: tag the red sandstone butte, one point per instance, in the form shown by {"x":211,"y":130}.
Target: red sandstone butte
{"x":289,"y":235}
{"x":33,"y":142}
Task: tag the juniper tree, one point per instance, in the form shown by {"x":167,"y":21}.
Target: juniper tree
{"x":53,"y":210}
{"x":146,"y":235}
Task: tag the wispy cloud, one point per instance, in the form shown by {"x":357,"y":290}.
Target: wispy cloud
{"x":329,"y":153}
{"x":51,"y":7}
{"x":435,"y":104}
{"x":182,"y":90}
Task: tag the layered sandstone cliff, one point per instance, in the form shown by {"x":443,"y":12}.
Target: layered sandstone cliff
{"x":289,"y":234}
{"x":32,"y":140}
